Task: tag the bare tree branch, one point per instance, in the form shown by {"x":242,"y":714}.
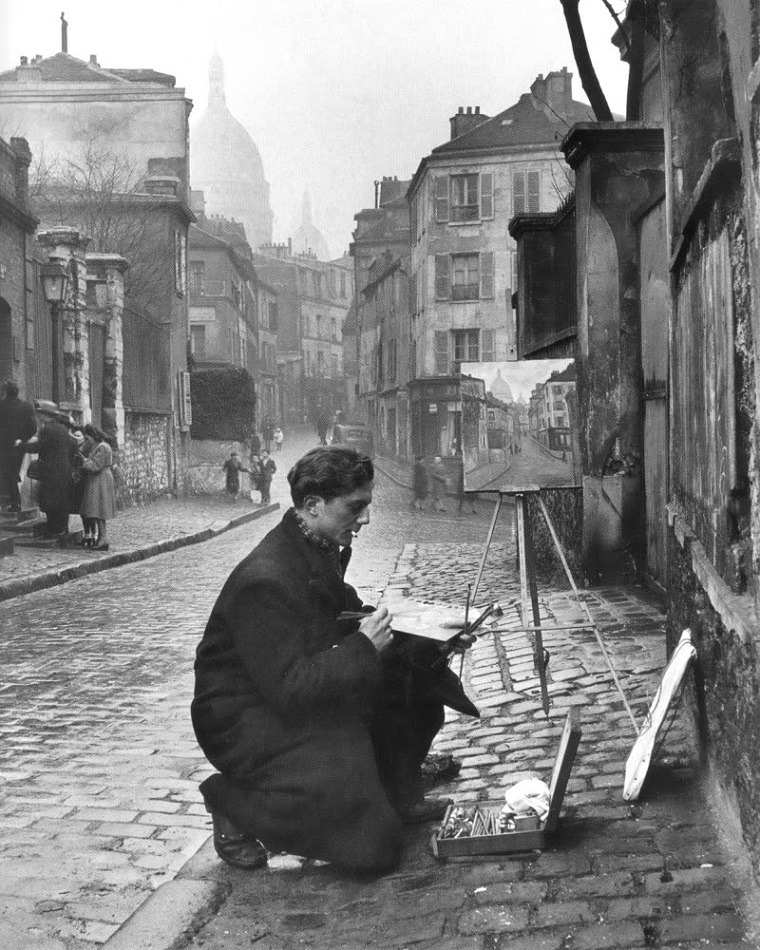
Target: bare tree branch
{"x":586,"y":71}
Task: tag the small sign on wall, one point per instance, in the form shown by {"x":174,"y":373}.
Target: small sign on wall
{"x":185,"y":402}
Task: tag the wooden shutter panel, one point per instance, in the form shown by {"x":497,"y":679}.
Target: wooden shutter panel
{"x":518,"y":192}
{"x":442,"y":199}
{"x":486,"y":195}
{"x":486,"y":275}
{"x":441,"y":353}
{"x":442,"y":277}
{"x":534,"y":191}
{"x":487,"y":353}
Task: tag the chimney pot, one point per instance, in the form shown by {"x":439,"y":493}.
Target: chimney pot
{"x":477,"y":110}
{"x":24,"y":60}
{"x":469,"y":110}
{"x":93,"y":59}
{"x":461,"y":110}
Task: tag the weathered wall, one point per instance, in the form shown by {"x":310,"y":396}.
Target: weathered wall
{"x":728,"y":695}
{"x":565,"y":508}
{"x":618,"y":168}
{"x":144,"y":462}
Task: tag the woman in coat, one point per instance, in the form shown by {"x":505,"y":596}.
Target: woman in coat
{"x":99,"y":496}
{"x":55,"y":450}
{"x":84,"y":445}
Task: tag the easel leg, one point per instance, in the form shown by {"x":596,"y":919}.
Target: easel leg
{"x":584,"y":608}
{"x":489,"y":538}
{"x":529,"y":589}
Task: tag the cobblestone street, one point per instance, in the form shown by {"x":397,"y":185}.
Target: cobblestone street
{"x":99,"y":765}
{"x":100,"y":802}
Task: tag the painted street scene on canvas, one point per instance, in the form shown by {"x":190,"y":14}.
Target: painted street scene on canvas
{"x":380,"y":475}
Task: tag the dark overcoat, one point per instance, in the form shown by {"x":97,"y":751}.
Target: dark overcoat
{"x":284,"y":699}
{"x":56,"y":450}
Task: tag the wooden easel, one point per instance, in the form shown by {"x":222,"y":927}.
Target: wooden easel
{"x":529,"y":589}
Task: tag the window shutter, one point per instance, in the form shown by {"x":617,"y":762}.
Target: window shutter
{"x":442,"y":199}
{"x":441,"y":353}
{"x":486,"y":195}
{"x":487,"y":354}
{"x":518,"y":192}
{"x":534,"y":191}
{"x":442,"y":277}
{"x":486,"y":275}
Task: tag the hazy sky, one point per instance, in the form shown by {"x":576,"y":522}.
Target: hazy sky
{"x":336,"y":93}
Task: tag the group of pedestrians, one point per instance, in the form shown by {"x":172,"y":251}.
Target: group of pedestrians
{"x":73,"y":467}
{"x":261,"y":468}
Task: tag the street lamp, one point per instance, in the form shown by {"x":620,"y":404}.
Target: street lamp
{"x":56,"y":278}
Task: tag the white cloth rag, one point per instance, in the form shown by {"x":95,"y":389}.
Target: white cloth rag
{"x":530,"y":796}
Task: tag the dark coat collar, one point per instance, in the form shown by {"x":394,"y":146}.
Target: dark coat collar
{"x":323,"y":577}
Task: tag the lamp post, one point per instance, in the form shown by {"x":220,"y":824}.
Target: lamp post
{"x":56,"y":279}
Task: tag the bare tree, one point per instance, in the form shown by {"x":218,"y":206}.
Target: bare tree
{"x":98,"y":191}
{"x":586,"y":70}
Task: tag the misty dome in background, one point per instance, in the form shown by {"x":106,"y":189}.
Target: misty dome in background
{"x":226,"y":165}
{"x":308,"y":239}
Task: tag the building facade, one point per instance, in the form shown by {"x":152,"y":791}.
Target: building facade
{"x":463,"y":262}
{"x":127,"y":131}
{"x":313,"y":301}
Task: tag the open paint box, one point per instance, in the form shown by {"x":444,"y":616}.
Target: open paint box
{"x":529,"y":833}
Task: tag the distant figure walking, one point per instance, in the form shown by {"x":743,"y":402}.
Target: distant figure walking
{"x":232,"y":469}
{"x":99,"y":495}
{"x":279,"y":438}
{"x":268,"y":468}
{"x":322,"y":426}
{"x":267,"y":433}
{"x":420,"y":483}
{"x":17,"y":422}
{"x":437,"y":484}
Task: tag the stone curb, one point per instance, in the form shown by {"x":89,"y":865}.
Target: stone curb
{"x":174,"y":911}
{"x":72,"y":572}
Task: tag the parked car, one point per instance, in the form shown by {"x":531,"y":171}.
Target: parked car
{"x":357,"y":437}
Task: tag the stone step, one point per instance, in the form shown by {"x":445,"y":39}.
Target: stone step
{"x":29,"y":527}
{"x":6,"y":544}
{"x":18,"y":517}
{"x":69,"y":540}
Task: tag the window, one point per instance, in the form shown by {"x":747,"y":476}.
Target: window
{"x":320,"y":363}
{"x":464,"y":276}
{"x":302,"y":279}
{"x":464,"y":198}
{"x":180,"y":261}
{"x":315,"y":281}
{"x":526,"y":192}
{"x":333,"y":329}
{"x":466,"y":346}
{"x":198,"y":341}
{"x":335,"y":365}
{"x":343,"y":285}
{"x":318,"y":331}
{"x":197,"y":272}
{"x":272,"y":311}
{"x":392,"y":359}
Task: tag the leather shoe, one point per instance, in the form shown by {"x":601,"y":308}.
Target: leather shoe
{"x":426,"y":809}
{"x":234,"y":847}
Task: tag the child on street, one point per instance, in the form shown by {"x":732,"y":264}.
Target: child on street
{"x":279,"y":438}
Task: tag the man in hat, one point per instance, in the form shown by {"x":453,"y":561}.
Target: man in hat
{"x":17,"y":422}
{"x":56,"y":449}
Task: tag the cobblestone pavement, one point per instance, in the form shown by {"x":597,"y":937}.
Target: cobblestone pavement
{"x":614,"y":876}
{"x":99,"y":769}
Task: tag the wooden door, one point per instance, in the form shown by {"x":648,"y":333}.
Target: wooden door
{"x":655,"y":309}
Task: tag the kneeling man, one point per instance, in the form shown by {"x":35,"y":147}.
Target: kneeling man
{"x":317,"y":723}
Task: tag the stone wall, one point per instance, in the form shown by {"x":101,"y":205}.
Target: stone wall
{"x":727,"y":709}
{"x":143,"y":461}
{"x":205,"y":460}
{"x":565,"y":507}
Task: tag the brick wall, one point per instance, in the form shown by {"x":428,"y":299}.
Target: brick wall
{"x":144,"y":459}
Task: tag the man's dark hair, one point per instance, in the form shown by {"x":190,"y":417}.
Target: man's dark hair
{"x":11,"y":389}
{"x":328,"y":472}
